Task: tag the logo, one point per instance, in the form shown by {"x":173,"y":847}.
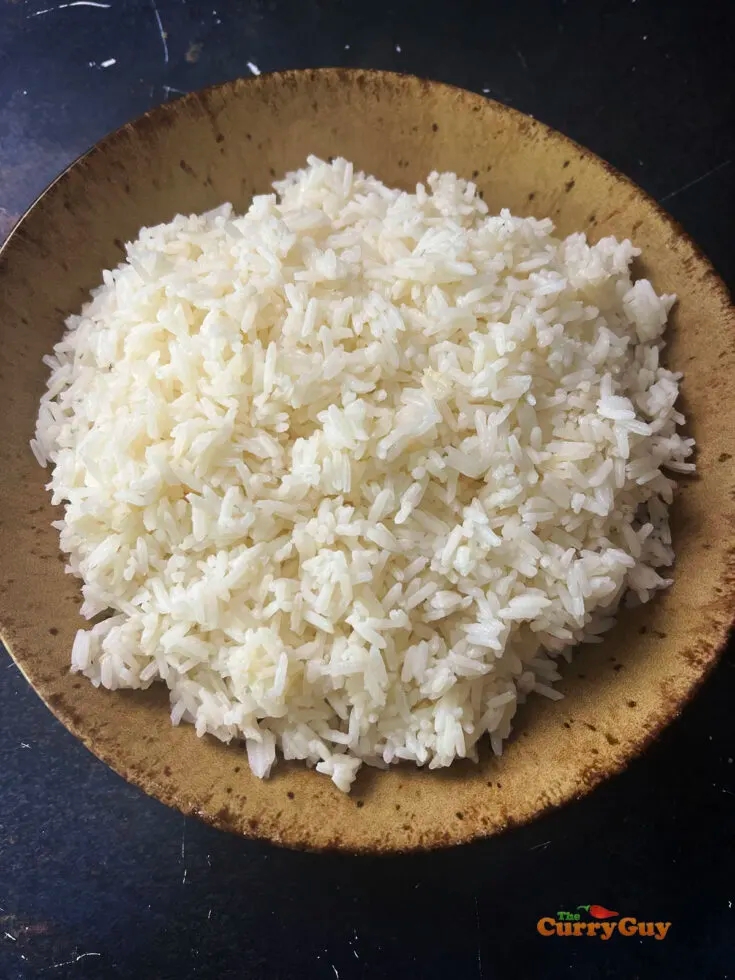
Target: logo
{"x":597,"y":921}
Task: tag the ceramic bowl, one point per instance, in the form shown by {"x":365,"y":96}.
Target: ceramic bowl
{"x":225,"y":144}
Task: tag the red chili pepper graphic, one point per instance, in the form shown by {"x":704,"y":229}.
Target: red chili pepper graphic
{"x":598,"y":911}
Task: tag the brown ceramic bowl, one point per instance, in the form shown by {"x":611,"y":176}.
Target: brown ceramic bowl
{"x":225,"y":144}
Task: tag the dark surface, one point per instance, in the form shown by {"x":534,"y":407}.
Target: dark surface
{"x":97,"y":880}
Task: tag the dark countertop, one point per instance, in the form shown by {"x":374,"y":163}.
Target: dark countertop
{"x":97,"y":880}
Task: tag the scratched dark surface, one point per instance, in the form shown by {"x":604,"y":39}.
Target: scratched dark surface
{"x":97,"y":880}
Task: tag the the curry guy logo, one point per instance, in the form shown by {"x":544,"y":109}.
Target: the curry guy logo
{"x":602,"y":923}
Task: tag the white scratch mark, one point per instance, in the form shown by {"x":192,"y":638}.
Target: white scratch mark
{"x":8,"y":936}
{"x":521,"y":58}
{"x":209,"y":861}
{"x":697,"y":180}
{"x":209,"y":915}
{"x":183,"y":880}
{"x":56,"y":966}
{"x":354,"y":953}
{"x":183,"y":831}
{"x":479,"y":950}
{"x":253,"y":68}
{"x":541,"y":846}
{"x":336,"y":972}
{"x":347,"y":47}
{"x":109,"y":63}
{"x":168,"y":89}
{"x":161,"y":31}
{"x":64,"y":6}
{"x":24,"y":745}
{"x":398,"y":48}
{"x":485,"y":91}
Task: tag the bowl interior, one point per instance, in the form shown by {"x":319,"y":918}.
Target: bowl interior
{"x":226,"y":144}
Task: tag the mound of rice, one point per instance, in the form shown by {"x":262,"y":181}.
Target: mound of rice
{"x":349,"y":472}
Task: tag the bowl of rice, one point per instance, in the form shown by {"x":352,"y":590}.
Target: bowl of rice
{"x":377,"y":435}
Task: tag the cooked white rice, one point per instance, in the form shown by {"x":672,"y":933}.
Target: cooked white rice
{"x":349,"y":472}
